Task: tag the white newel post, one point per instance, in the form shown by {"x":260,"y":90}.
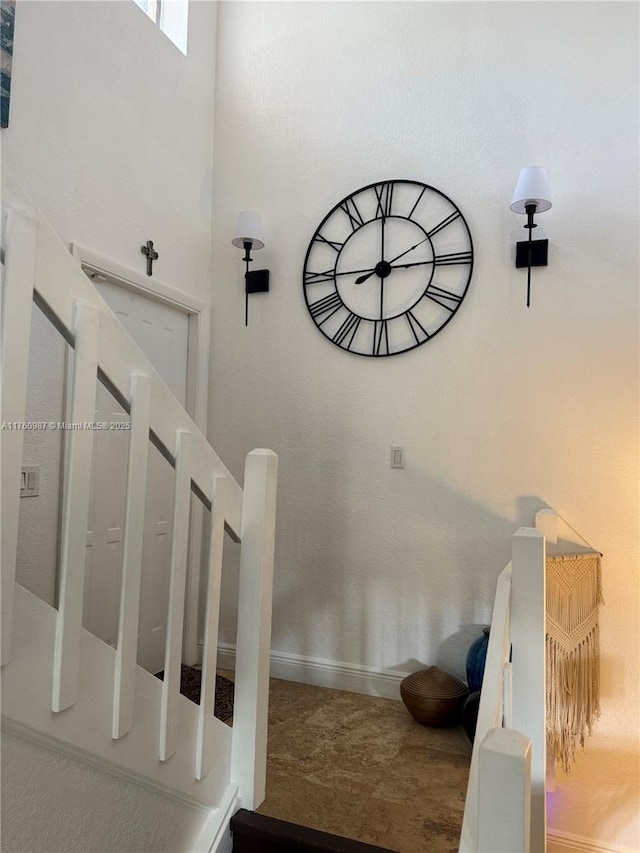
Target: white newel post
{"x":17,"y":297}
{"x":504,"y":793}
{"x":528,"y":658}
{"x":249,"y":750}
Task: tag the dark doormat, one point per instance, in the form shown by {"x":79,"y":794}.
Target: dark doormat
{"x":190,"y":683}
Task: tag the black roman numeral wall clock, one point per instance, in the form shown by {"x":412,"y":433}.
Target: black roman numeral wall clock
{"x":387,"y":268}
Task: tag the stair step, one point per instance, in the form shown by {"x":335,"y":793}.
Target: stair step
{"x":256,"y":833}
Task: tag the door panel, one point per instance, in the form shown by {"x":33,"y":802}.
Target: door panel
{"x":162,"y":334}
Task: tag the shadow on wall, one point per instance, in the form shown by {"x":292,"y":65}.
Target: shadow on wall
{"x":363,"y":592}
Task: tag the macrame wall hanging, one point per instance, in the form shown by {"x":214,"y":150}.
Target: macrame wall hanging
{"x":574,"y":593}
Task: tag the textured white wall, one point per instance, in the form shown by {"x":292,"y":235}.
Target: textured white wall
{"x":506,"y":409}
{"x":111,"y":134}
{"x":111,"y":131}
{"x":54,"y":804}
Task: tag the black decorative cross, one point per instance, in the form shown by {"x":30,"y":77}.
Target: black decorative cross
{"x":151,"y":254}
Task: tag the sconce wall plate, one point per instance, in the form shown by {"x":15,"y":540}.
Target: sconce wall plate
{"x":257,"y":281}
{"x":539,"y":253}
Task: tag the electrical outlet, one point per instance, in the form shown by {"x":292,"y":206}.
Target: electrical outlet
{"x":30,"y":482}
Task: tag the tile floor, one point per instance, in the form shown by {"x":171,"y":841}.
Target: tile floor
{"x":361,"y":767}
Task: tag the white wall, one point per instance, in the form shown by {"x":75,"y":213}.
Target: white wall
{"x":111,"y":134}
{"x":54,"y":804}
{"x":506,"y":409}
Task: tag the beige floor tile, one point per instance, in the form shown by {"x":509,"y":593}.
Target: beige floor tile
{"x":447,"y":739}
{"x":361,"y":767}
{"x":417,"y":774}
{"x":406,"y":829}
{"x":294,"y":703}
{"x":334,"y":810}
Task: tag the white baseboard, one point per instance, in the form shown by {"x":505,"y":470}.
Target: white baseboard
{"x":564,"y":842}
{"x":323,"y":673}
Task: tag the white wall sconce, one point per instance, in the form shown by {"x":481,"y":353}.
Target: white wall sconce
{"x":531,"y":196}
{"x":249,"y":236}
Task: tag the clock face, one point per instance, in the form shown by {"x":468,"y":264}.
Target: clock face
{"x":388,"y":268}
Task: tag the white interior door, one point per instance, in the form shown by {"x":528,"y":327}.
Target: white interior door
{"x":162,"y":333}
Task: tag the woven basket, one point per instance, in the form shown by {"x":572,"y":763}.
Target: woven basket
{"x":433,"y":697}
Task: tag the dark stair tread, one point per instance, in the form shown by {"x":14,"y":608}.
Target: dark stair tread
{"x":256,"y":833}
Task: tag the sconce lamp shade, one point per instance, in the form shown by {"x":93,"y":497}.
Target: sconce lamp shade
{"x":532,"y":188}
{"x":248,"y":230}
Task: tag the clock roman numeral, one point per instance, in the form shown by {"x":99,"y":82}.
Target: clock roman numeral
{"x":380,"y":337}
{"x":335,"y":245}
{"x":347,"y":331}
{"x":424,"y":189}
{"x":384,"y":196}
{"x":319,"y":277}
{"x":351,"y":209}
{"x":452,"y":258}
{"x":447,"y":221}
{"x":413,"y":321}
{"x":328,"y":305}
{"x":443,"y":297}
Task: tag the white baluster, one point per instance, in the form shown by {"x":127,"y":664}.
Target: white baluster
{"x":75,"y":508}
{"x":204,"y":756}
{"x":127,"y":648}
{"x":17,"y":300}
{"x":249,"y":749}
{"x":178,"y":576}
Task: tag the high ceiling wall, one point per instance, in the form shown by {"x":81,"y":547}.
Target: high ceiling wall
{"x":508,"y":408}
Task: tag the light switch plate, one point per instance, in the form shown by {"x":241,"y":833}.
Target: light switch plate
{"x":30,"y":482}
{"x":397,"y":456}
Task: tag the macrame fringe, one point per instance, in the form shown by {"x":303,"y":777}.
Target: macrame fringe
{"x":574,"y":593}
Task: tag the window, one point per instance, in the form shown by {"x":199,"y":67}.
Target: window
{"x":171,"y":16}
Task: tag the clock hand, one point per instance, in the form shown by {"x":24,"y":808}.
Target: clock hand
{"x":354,"y":272}
{"x":417,"y":264}
{"x":408,"y":250}
{"x":363,"y":278}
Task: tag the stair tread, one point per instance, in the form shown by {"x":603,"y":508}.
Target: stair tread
{"x":292,"y":836}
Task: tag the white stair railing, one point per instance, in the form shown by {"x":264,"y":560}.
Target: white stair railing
{"x":505,"y":803}
{"x":51,"y":646}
